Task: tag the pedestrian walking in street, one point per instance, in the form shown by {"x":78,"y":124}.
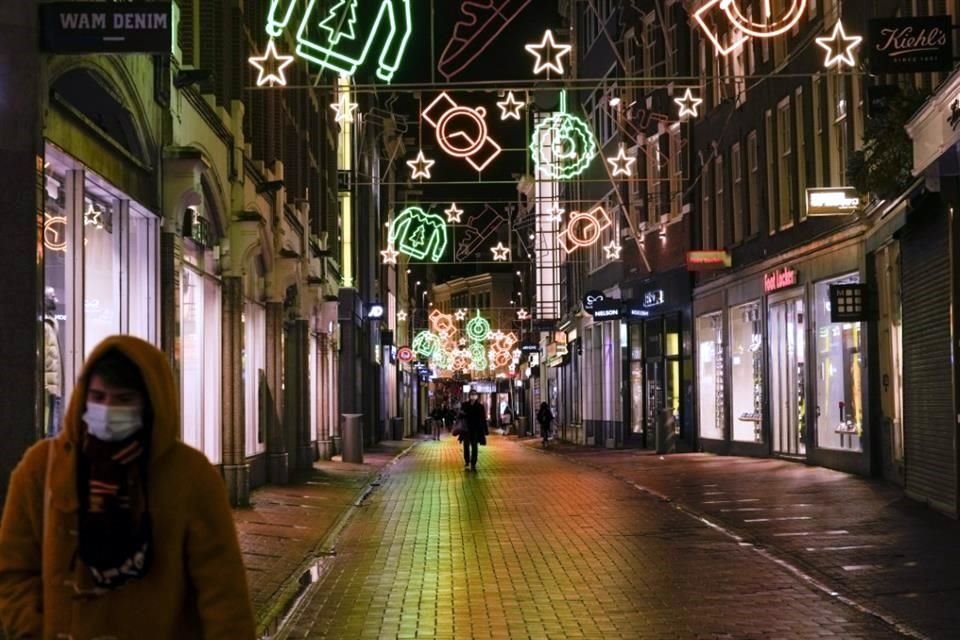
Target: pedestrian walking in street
{"x":545,"y":419}
{"x":474,"y":431}
{"x":114,"y":528}
{"x":436,"y":417}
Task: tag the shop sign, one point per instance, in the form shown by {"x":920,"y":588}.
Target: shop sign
{"x":530,"y":348}
{"x":405,"y":354}
{"x":839,"y":201}
{"x":591,"y":299}
{"x":911,"y":45}
{"x":848,"y":303}
{"x":101,"y":27}
{"x":607,"y":310}
{"x":780,"y":279}
{"x":634,"y":311}
{"x":708,"y":260}
{"x":653,"y":298}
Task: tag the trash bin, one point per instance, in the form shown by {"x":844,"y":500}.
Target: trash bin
{"x":396,"y":428}
{"x":522,"y":426}
{"x":352,"y":437}
{"x":666,"y":431}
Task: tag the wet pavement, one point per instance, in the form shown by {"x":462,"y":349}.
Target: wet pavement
{"x":533,"y":545}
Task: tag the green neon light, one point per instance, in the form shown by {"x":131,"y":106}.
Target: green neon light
{"x":478,"y":356}
{"x":425,"y":344}
{"x":419,"y":234}
{"x":443,"y":359}
{"x":341,"y":39}
{"x":572,"y":146}
{"x":478,"y":329}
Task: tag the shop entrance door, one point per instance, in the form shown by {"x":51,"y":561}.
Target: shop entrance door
{"x":787,"y":377}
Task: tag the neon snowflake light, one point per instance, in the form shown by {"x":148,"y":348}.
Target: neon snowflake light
{"x":563,"y":146}
{"x":270,"y":66}
{"x":346,"y":37}
{"x":418,"y":234}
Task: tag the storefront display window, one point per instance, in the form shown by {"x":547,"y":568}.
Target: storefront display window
{"x":788,"y":376}
{"x":636,"y":379}
{"x":746,"y":372}
{"x":254,"y":368}
{"x":100,"y":273}
{"x":711,"y":375}
{"x":200,"y":342}
{"x":839,"y":376}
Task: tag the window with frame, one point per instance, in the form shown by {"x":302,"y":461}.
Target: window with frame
{"x":675,"y":162}
{"x":706,"y":212}
{"x":719,"y":181}
{"x":736,"y":193}
{"x":816,"y":109}
{"x":654,"y":184}
{"x":753,"y":187}
{"x":801,"y":113}
{"x":649,"y":47}
{"x":785,"y":179}
{"x":839,"y":137}
{"x":771,"y":189}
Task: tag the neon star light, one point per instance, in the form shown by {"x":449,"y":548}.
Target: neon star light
{"x":454,"y":214}
{"x":342,"y":38}
{"x":93,"y":217}
{"x":461,"y":315}
{"x":839,"y":47}
{"x":462,"y":131}
{"x":418,"y":234}
{"x":401,"y":316}
{"x":390,"y":255}
{"x":510,"y":108}
{"x":555,"y":214}
{"x":548,"y":50}
{"x":478,"y":328}
{"x":563,"y":146}
{"x":613,"y":251}
{"x":270,"y":66}
{"x":718,"y":17}
{"x":688,"y":104}
{"x":344,"y":108}
{"x":420,"y":166}
{"x":584,"y":228}
{"x":523,"y":314}
{"x":481,"y":24}
{"x":500,"y":252}
{"x":621,"y":163}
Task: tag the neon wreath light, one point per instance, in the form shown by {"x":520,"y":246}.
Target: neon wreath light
{"x":562,"y":147}
{"x":478,"y":328}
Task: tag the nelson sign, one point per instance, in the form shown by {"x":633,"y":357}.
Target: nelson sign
{"x":100,"y":27}
{"x":911,"y":45}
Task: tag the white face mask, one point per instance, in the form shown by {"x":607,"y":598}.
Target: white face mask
{"x":112,"y":424}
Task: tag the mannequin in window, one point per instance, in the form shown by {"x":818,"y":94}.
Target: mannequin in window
{"x":52,"y":364}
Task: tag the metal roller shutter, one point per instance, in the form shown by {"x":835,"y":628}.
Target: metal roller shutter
{"x":930,"y":460}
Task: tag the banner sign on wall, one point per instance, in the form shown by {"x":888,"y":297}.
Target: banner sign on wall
{"x":102,"y":27}
{"x":911,"y":45}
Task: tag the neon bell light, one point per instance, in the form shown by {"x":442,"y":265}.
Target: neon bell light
{"x":342,"y":38}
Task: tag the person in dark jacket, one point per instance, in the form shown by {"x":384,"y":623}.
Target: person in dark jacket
{"x":474,"y":432}
{"x":545,"y":419}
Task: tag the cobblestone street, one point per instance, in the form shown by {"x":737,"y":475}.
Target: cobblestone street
{"x":533,"y":546}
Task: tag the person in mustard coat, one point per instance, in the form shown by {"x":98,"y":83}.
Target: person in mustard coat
{"x":114,"y":529}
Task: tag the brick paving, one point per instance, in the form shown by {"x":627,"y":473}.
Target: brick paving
{"x":532,"y":546}
{"x":858,"y":536}
{"x":282,"y":532}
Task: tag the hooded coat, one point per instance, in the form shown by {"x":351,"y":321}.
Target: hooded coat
{"x":196,"y":586}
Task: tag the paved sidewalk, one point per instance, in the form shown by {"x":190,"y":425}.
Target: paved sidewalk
{"x":531,"y":546}
{"x":284,"y":529}
{"x":858,"y":537}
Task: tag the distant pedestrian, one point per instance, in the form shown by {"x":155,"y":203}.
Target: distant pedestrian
{"x":114,"y":528}
{"x":436,"y":417}
{"x":474,"y":431}
{"x":545,"y":419}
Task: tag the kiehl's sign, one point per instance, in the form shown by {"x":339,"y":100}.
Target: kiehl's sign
{"x":911,"y":45}
{"x":100,"y":27}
